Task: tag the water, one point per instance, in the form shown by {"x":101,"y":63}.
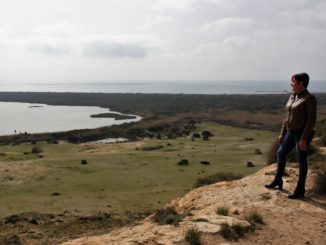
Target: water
{"x":37,"y":118}
{"x":177,"y":87}
{"x":21,"y":117}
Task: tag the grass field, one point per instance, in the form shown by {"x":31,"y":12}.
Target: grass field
{"x":121,"y":177}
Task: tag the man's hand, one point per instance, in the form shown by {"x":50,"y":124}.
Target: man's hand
{"x":281,"y":139}
{"x":302,"y":145}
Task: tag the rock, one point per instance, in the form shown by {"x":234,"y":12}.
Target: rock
{"x":242,"y":197}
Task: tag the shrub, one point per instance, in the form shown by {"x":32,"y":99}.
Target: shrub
{"x":248,"y":139}
{"x":151,"y":148}
{"x":250,"y":164}
{"x":206,"y":133}
{"x":196,"y":135}
{"x":11,"y":239}
{"x":205,"y":162}
{"x":218,"y":177}
{"x":83,"y":161}
{"x":321,"y":132}
{"x":254,"y":218}
{"x":167,"y":216}
{"x":271,"y":153}
{"x":316,"y":158}
{"x":183,"y":162}
{"x":193,"y":236}
{"x":226,"y":231}
{"x":258,"y":151}
{"x":36,"y":150}
{"x":233,"y":232}
{"x":320,"y":181}
{"x":240,"y":230}
{"x":223,"y":211}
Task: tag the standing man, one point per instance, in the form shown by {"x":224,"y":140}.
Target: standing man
{"x":297,"y":131}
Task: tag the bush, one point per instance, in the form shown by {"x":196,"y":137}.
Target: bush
{"x":11,"y":239}
{"x":233,"y":232}
{"x":193,"y":236}
{"x":223,"y":211}
{"x":250,"y":164}
{"x":254,"y":218}
{"x":36,"y":150}
{"x":206,"y":133}
{"x":183,"y":162}
{"x":258,"y":151}
{"x":205,"y":162}
{"x":218,"y":177}
{"x":321,"y":132}
{"x":167,"y":216}
{"x":151,"y":148}
{"x":320,"y":181}
{"x":248,"y":139}
{"x":316,"y":158}
{"x":83,"y":161}
{"x":196,"y":135}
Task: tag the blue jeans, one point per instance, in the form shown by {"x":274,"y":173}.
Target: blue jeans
{"x":291,"y":140}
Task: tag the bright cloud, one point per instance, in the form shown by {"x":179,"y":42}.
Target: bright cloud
{"x":161,"y":39}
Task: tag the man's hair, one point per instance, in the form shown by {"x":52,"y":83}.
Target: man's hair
{"x":302,"y":77}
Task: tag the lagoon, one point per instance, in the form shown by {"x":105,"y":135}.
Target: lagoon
{"x":19,"y":118}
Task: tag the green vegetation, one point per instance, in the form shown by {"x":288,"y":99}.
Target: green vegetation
{"x":223,"y":211}
{"x":233,"y":232}
{"x":193,"y":236}
{"x":218,"y":177}
{"x":321,"y":132}
{"x":118,"y":177}
{"x":320,"y":180}
{"x":168,"y":216}
{"x":83,"y":161}
{"x":36,"y":150}
{"x":116,"y":116}
{"x":254,"y":218}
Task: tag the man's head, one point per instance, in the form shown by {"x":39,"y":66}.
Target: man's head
{"x":301,"y":78}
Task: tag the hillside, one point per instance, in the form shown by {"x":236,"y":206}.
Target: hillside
{"x":285,"y":221}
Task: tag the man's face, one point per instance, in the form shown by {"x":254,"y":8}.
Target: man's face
{"x":297,"y":86}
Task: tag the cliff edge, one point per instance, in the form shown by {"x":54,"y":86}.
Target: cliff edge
{"x":285,"y":221}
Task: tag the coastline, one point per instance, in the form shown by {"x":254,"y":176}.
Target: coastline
{"x":158,"y":110}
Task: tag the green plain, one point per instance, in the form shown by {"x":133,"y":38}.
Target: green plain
{"x":121,"y":177}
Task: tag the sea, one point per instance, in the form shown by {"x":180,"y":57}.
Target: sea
{"x":170,"y":87}
{"x":19,"y":118}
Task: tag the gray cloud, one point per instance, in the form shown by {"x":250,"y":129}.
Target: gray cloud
{"x":92,"y":46}
{"x":165,"y":39}
{"x":104,"y":48}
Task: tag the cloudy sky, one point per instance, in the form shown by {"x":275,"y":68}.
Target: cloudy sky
{"x":110,"y":40}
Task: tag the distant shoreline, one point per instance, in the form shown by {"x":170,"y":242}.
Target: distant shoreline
{"x":148,"y":104}
{"x":158,"y":111}
{"x":116,"y":116}
{"x":163,"y":86}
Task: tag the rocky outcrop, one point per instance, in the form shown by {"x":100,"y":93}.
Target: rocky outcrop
{"x":286,"y":221}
